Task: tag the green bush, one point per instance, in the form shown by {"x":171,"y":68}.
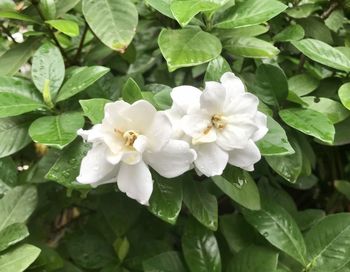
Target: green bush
{"x":63,"y":63}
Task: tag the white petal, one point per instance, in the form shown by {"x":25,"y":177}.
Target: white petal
{"x":94,"y":166}
{"x":131,"y":157}
{"x":141,"y":143}
{"x":136,"y":181}
{"x":113,"y":118}
{"x":159,"y":131}
{"x":211,"y":159}
{"x":261,"y":122}
{"x":185,"y":97}
{"x":213,"y":97}
{"x":246,"y":104}
{"x":93,"y":134}
{"x":231,"y":137}
{"x":174,"y":159}
{"x":199,"y":127}
{"x":113,"y":158}
{"x":233,"y":85}
{"x":246,"y":157}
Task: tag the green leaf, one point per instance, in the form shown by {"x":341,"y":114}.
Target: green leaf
{"x":14,"y":104}
{"x":63,"y":6}
{"x":271,"y":84}
{"x":17,"y":205}
{"x":279,"y":228}
{"x":343,"y":187}
{"x":67,"y":27}
{"x":330,"y":108}
{"x":253,"y":259}
{"x":200,"y":249}
{"x":290,"y":33}
{"x":12,"y":234}
{"x":302,"y":11}
{"x":216,"y":68}
{"x":19,"y":86}
{"x":94,"y":109}
{"x":275,"y":142}
{"x":18,"y":259}
{"x":251,"y":47}
{"x":185,"y":10}
{"x":309,"y":122}
{"x":328,"y":243}
{"x":48,"y":9}
{"x":56,"y":131}
{"x":302,"y":84}
{"x":17,"y":16}
{"x":187,"y":47}
{"x":323,"y":53}
{"x":8,"y":171}
{"x":166,"y":262}
{"x":307,"y":218}
{"x":202,"y":205}
{"x":13,"y":135}
{"x":66,"y":168}
{"x":163,"y":6}
{"x":250,"y":12}
{"x":113,"y":21}
{"x":16,"y":56}
{"x":80,"y":81}
{"x":240,"y":187}
{"x":131,"y":92}
{"x":344,"y":95}
{"x":48,"y":65}
{"x":166,"y":199}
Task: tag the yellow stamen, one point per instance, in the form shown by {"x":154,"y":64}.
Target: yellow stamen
{"x":218,"y":121}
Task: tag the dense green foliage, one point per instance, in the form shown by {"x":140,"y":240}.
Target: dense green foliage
{"x":290,"y":215}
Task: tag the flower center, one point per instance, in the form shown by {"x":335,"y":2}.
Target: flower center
{"x":218,"y":121}
{"x":130,"y":137}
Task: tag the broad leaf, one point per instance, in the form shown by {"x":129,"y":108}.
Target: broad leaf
{"x":290,"y":33}
{"x":17,"y":16}
{"x":67,"y":27}
{"x":94,"y":108}
{"x":56,"y":131}
{"x":344,"y":95}
{"x":309,"y":122}
{"x":14,"y":104}
{"x":165,"y":262}
{"x":302,"y":84}
{"x":323,"y":53}
{"x":279,"y":228}
{"x":200,"y":249}
{"x":79,"y":81}
{"x":20,"y":86}
{"x":216,"y":68}
{"x":188,"y":47}
{"x":12,"y":234}
{"x":163,"y":6}
{"x":113,"y":21}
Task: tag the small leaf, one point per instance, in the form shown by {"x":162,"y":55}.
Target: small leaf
{"x":216,"y":68}
{"x":94,"y":109}
{"x":163,"y":6}
{"x":309,"y":122}
{"x":12,"y":234}
{"x":343,"y":187}
{"x":79,"y":81}
{"x":166,"y":262}
{"x":323,"y":53}
{"x":56,"y":131}
{"x":47,"y":8}
{"x":302,"y":84}
{"x":17,"y":16}
{"x":188,"y":47}
{"x":67,"y":27}
{"x":131,"y":92}
{"x":344,"y":95}
{"x":200,"y":249}
{"x":290,"y":33}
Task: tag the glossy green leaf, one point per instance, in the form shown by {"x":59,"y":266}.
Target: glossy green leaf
{"x":67,"y":27}
{"x":250,"y":12}
{"x":332,"y":109}
{"x":166,"y":199}
{"x":275,"y":142}
{"x":202,"y":205}
{"x":279,"y":228}
{"x":188,"y":47}
{"x":63,"y":6}
{"x":56,"y":131}
{"x":48,"y":65}
{"x":344,"y":95}
{"x":16,"y":56}
{"x":216,"y":68}
{"x":302,"y":84}
{"x":323,"y":53}
{"x":253,"y":259}
{"x":17,"y":16}
{"x":240,"y":187}
{"x":307,"y":218}
{"x":302,"y":11}
{"x":18,"y":259}
{"x":163,"y":6}
{"x":328,"y":243}
{"x":80,"y":81}
{"x":20,"y":86}
{"x":251,"y":47}
{"x":8,"y":171}
{"x":94,"y":109}
{"x":185,"y":10}
{"x":13,"y":104}
{"x":12,"y":234}
{"x":200,"y":249}
{"x":290,"y":33}
{"x":66,"y":168}
{"x":47,"y":8}
{"x":165,"y":262}
{"x":13,"y":135}
{"x":131,"y":92}
{"x":17,"y":205}
{"x":113,"y":21}
{"x":309,"y":122}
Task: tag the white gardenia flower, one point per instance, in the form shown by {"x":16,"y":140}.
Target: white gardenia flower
{"x":129,"y":139}
{"x":221,"y":123}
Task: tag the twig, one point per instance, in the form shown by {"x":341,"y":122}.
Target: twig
{"x":8,"y":33}
{"x":81,"y":44}
{"x":328,"y":12}
{"x":301,"y":63}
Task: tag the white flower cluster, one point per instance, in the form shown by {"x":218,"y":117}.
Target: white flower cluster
{"x":203,"y":129}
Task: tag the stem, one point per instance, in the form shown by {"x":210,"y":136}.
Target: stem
{"x":301,"y":63}
{"x":8,"y":33}
{"x":328,"y":12}
{"x":81,"y":44}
